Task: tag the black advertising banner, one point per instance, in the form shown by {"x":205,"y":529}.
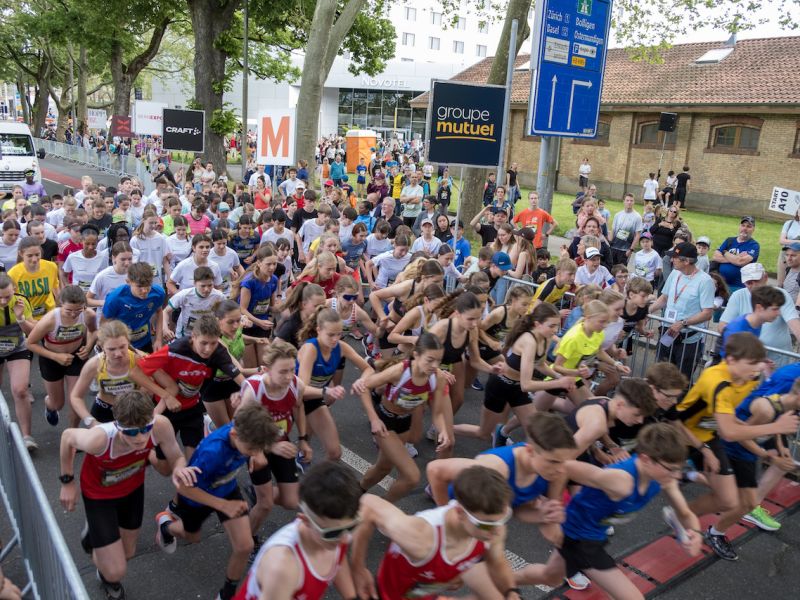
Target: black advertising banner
{"x":184,"y":129}
{"x":465,"y":124}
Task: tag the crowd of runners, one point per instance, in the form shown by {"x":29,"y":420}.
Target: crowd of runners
{"x":205,"y":330}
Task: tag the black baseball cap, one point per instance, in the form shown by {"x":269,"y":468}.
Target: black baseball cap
{"x":683,"y":250}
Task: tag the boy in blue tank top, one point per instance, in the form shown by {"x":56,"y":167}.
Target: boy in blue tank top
{"x":612,"y":496}
{"x":535,"y":470}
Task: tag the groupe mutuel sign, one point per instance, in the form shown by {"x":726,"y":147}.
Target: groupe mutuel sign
{"x":453,"y":122}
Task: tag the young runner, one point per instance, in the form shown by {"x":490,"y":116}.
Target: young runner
{"x":191,"y":304}
{"x":16,"y":321}
{"x":317,"y":361}
{"x":404,"y":386}
{"x":420,"y":317}
{"x":615,"y":494}
{"x":112,"y":482}
{"x":258,"y":291}
{"x":280,"y":391}
{"x":302,"y":302}
{"x":110,"y":278}
{"x":213,"y":488}
{"x":63,"y":339}
{"x":351,"y":314}
{"x":183,"y":273}
{"x":226,"y":259}
{"x":436,"y":550}
{"x":138,"y":304}
{"x":178,"y":242}
{"x":152,"y":246}
{"x":81,"y":267}
{"x":304,"y":557}
{"x":34,"y":278}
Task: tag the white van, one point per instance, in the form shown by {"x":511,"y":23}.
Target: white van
{"x":17,"y":155}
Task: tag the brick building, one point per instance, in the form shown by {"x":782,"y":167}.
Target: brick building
{"x":738,"y":128}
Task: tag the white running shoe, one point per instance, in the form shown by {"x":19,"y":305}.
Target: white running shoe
{"x":412,"y":451}
{"x":579,"y":581}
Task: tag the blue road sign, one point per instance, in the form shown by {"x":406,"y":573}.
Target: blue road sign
{"x":567,"y":61}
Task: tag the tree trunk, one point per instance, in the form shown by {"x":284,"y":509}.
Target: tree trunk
{"x":210,"y":18}
{"x":83,"y":76}
{"x":324,"y":39}
{"x":63,"y":114}
{"x":22,"y":89}
{"x":122,"y":81}
{"x":471,"y":195}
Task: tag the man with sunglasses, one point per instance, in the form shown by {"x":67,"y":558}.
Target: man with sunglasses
{"x":304,"y":557}
{"x":208,"y":485}
{"x":439,"y":549}
{"x":612,"y":496}
{"x":112,"y":481}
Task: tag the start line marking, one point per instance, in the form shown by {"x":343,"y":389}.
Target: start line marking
{"x":354,"y":461}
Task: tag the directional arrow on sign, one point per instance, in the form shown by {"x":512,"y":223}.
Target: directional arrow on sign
{"x":552,"y":100}
{"x":586,"y":84}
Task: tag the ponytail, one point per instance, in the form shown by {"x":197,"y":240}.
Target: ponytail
{"x":321,"y":316}
{"x":526,"y":324}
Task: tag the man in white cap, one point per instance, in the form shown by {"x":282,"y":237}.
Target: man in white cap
{"x":775,"y":334}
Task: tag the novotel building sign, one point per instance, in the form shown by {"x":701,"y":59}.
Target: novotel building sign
{"x":465,"y":123}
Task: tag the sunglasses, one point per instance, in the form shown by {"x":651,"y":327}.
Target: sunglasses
{"x":134,"y":431}
{"x":672,"y":470}
{"x":486,"y":525}
{"x":329,"y":534}
{"x":350,"y":297}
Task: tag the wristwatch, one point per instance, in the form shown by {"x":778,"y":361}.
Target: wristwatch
{"x":65,"y":479}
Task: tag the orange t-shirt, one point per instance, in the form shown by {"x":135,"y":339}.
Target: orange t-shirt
{"x":535,"y":219}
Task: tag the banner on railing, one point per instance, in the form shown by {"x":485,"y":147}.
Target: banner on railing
{"x":784,"y":201}
{"x":98,"y":119}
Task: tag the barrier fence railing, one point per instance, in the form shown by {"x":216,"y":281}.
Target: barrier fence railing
{"x":51,"y":572}
{"x":693,"y":350}
{"x":118,"y":165}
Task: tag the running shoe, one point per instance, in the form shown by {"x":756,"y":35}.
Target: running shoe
{"x":366,"y":345}
{"x":87,"y":547}
{"x":208,"y":425}
{"x":30,"y":443}
{"x":432,"y":434}
{"x":429,"y":491}
{"x":257,"y":543}
{"x":477,"y":385}
{"x":112,"y":591}
{"x":412,"y":451}
{"x":298,"y":461}
{"x":761,"y":518}
{"x":499,"y":439}
{"x":579,"y":581}
{"x":51,"y":416}
{"x":164,"y":539}
{"x":721,"y":546}
{"x":610,"y":530}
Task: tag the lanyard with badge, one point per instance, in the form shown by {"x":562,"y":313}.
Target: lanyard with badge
{"x":671,"y":314}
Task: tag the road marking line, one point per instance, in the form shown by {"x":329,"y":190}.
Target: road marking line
{"x":354,"y":461}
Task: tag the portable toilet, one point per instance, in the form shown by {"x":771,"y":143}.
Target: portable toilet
{"x":360,"y":144}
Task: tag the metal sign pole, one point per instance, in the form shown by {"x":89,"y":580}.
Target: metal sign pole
{"x":460,"y":197}
{"x":512,"y":58}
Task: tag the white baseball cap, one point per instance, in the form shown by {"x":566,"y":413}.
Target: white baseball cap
{"x":753,"y":272}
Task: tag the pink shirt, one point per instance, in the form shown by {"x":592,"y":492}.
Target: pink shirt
{"x":197,"y":227}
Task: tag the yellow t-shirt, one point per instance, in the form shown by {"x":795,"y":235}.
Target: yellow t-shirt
{"x":714,"y":392}
{"x":548,"y":292}
{"x":577,"y":347}
{"x":37,"y":287}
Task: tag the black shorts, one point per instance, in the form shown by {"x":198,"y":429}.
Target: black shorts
{"x":500,"y":390}
{"x":309,"y":406}
{"x":745,"y":472}
{"x":194,"y":516}
{"x":719,"y":451}
{"x":107,"y":517}
{"x":102,"y":411}
{"x":582,"y":555}
{"x":342,"y":363}
{"x":563,"y":391}
{"x":53,"y":371}
{"x":256,"y":332}
{"x":583,"y":181}
{"x":400,"y":424}
{"x":189,"y":424}
{"x":284,"y":469}
{"x":214,"y":390}
{"x":680,"y":195}
{"x":488,"y":354}
{"x":18,"y":355}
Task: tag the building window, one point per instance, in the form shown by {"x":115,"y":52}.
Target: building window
{"x":483,"y":27}
{"x":796,"y":148}
{"x":408,"y":39}
{"x":411,"y":14}
{"x":436,"y":18}
{"x":480,"y":50}
{"x":649,"y":136}
{"x":458,"y":47}
{"x":461,"y":23}
{"x":734,"y":136}
{"x":433,"y":43}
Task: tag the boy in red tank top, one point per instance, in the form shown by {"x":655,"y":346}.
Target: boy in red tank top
{"x":112,"y":481}
{"x":440,"y":549}
{"x":303,"y":558}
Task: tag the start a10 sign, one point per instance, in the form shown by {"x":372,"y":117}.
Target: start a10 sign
{"x":568,"y":60}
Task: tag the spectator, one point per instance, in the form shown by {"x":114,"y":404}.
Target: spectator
{"x":428,"y":212}
{"x":253,"y":180}
{"x":650,"y":188}
{"x":387,"y":214}
{"x":378,"y":185}
{"x":766,"y":302}
{"x":411,"y":199}
{"x":682,"y":186}
{"x":582,"y":196}
{"x":337,"y":170}
{"x":588,"y":210}
{"x":664,"y":230}
{"x":460,"y":244}
{"x":736,"y":252}
{"x":647,"y":262}
{"x":791,"y":280}
{"x":512,"y":185}
{"x":583,"y":174}
{"x":703,"y":244}
{"x":775,"y":334}
{"x":592,"y":228}
{"x":790,"y":233}
{"x":488,"y":232}
{"x":625,"y":231}
{"x":687,"y":299}
{"x":591,"y":271}
{"x":665,"y":195}
{"x":536,"y":219}
{"x":489,"y":189}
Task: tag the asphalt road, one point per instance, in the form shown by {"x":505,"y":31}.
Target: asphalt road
{"x":769,"y":565}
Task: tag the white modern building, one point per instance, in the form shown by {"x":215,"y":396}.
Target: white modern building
{"x":429,"y":45}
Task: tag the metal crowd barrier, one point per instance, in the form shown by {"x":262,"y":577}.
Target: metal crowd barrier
{"x":111,"y":163}
{"x":691,"y":352}
{"x":52,"y":574}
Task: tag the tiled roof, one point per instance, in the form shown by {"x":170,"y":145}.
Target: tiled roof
{"x":761,"y":71}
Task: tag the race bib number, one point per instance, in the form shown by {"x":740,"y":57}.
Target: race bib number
{"x":261,"y":308}
{"x":116,"y":476}
{"x":410,"y":402}
{"x":85,"y":285}
{"x":187,"y":390}
{"x":39,"y":311}
{"x":623,"y":235}
{"x":140,"y":333}
{"x":9,"y":344}
{"x":116,"y":387}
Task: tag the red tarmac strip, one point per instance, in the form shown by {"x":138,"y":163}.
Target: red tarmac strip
{"x":68,"y":180}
